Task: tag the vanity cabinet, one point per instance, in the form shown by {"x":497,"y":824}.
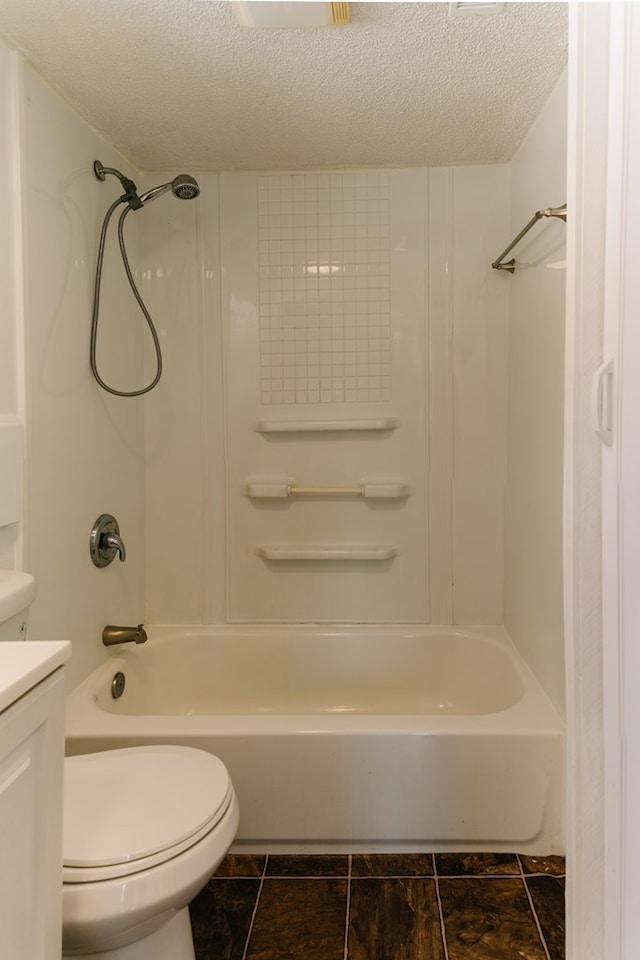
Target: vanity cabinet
{"x":31,"y":773}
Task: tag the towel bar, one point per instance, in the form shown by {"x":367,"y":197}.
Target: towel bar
{"x":510,"y":265}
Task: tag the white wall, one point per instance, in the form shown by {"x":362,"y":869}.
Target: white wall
{"x":184,"y":416}
{"x":468,"y":341}
{"x":449,"y":347}
{"x":11,"y":394}
{"x":84,"y":447}
{"x":533,"y":551}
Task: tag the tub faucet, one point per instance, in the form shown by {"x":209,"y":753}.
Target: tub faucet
{"x":112,"y":635}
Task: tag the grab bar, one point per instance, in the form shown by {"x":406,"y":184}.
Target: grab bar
{"x":325,"y":491}
{"x":327,"y":551}
{"x":377,"y":490}
{"x":559,"y":212}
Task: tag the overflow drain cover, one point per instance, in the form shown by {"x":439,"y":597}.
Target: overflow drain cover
{"x":117,"y":685}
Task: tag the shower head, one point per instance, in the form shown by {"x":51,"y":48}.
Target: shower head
{"x":184,"y":187}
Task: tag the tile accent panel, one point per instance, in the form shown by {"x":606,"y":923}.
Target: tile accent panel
{"x":324,"y":288}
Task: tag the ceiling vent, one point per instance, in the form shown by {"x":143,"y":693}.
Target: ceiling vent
{"x":476,"y":8}
{"x":279,"y":15}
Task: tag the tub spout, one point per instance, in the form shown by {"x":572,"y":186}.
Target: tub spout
{"x":112,"y":635}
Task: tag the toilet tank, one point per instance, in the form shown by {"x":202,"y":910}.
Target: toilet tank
{"x":17,"y":593}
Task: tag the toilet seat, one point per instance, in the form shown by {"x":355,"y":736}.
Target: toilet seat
{"x":130,"y":809}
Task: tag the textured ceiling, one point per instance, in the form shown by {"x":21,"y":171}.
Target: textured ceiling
{"x":178,"y":83}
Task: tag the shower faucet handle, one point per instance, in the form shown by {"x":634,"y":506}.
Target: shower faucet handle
{"x":111,"y":541}
{"x":105,"y":541}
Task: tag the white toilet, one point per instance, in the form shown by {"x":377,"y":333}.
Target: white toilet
{"x":144,"y":829}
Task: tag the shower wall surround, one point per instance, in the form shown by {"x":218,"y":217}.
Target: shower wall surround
{"x":11,"y":393}
{"x":319,"y":273}
{"x":533,"y":544}
{"x":412,"y":317}
{"x":349,"y":299}
{"x":410,"y":251}
{"x":84,"y":449}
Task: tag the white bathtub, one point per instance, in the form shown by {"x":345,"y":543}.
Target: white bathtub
{"x":347,"y":738}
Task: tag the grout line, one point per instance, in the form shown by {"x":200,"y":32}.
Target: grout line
{"x":313,"y":876}
{"x":443,"y":932}
{"x":484,"y":876}
{"x":347,"y":912}
{"x":255,"y":909}
{"x":363,"y":876}
{"x":534,"y":912}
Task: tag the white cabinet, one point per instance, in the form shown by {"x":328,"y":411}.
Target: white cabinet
{"x":31,"y":769}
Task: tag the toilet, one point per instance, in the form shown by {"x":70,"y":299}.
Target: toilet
{"x":144,"y":829}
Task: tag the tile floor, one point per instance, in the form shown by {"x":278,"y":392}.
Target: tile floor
{"x":382,"y":907}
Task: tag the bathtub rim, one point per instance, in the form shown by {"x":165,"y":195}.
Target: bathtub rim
{"x":534,"y":718}
{"x":534,"y":712}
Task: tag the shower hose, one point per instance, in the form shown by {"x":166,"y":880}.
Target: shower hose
{"x":96,"y":306}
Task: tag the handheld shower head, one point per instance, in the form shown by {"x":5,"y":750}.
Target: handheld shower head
{"x":184,"y":187}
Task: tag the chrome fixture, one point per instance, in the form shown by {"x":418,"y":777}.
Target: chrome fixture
{"x":112,"y":635}
{"x":118,"y":685}
{"x":184,"y":187}
{"x":105,"y":541}
{"x":511,"y":265}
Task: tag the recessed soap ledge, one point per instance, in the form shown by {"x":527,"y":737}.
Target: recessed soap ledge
{"x":325,"y":426}
{"x":328,"y":551}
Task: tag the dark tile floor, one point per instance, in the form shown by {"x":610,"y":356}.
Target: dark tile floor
{"x":382,"y":907}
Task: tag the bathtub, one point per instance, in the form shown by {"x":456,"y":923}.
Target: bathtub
{"x":344,"y":739}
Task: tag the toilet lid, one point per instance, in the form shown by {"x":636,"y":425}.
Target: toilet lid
{"x":131,"y":804}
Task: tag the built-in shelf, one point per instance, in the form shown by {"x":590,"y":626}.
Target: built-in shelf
{"x":325,"y":426}
{"x":266,"y":489}
{"x":328,"y":551}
